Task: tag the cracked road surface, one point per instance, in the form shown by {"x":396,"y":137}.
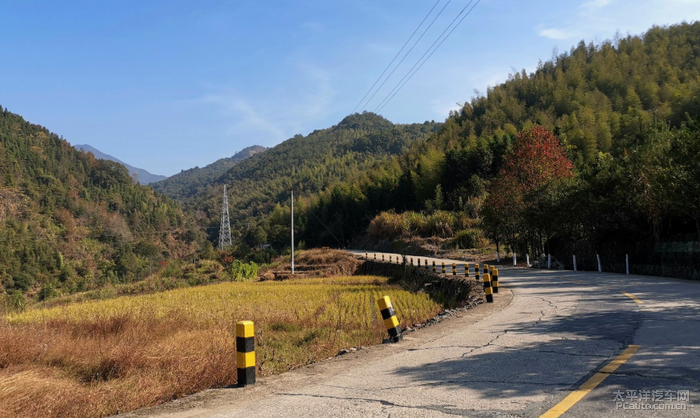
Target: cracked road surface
{"x":546,"y":334}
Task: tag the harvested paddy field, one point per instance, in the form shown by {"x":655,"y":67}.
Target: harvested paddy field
{"x":96,"y":358}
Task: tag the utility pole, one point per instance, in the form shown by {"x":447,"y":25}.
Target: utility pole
{"x":292,"y":231}
{"x":225,"y":229}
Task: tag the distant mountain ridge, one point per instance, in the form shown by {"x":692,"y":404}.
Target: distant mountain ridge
{"x":138,"y":174}
{"x":184,"y":184}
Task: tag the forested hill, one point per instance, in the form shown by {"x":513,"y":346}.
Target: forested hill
{"x":308,"y":164}
{"x":188,"y":182}
{"x":71,"y":222}
{"x":618,"y":110}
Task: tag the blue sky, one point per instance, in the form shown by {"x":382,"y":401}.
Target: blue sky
{"x":169,"y":85}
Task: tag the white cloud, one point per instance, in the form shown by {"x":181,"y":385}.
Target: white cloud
{"x":600,"y":19}
{"x":556,"y":33}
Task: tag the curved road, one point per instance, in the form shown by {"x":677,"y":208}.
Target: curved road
{"x":582,"y":344}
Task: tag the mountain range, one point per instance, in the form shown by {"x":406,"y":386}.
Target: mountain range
{"x":138,"y":174}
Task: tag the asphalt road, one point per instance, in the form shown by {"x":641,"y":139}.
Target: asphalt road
{"x":588,"y":344}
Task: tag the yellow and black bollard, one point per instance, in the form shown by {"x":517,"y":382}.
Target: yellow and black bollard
{"x":454,"y":269}
{"x":466,"y":269}
{"x":486,"y":268}
{"x":494,"y":280}
{"x":433,"y":266}
{"x":245,"y":352}
{"x":389,"y":317}
{"x":477,"y":273}
{"x":443,"y":267}
{"x":488,"y":291}
{"x":382,"y":258}
{"x":366,"y":256}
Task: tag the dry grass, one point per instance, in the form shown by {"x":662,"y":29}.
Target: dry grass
{"x":320,"y":262}
{"x":96,"y":358}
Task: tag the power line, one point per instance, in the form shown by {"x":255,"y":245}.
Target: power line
{"x":395,"y":56}
{"x":409,"y":51}
{"x":394,"y":91}
{"x":399,"y":85}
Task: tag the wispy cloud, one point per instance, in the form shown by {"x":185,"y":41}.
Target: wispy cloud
{"x":272,"y":119}
{"x":594,"y":4}
{"x":245,"y":117}
{"x":556,"y":33}
{"x":313,"y":27}
{"x":594,"y":18}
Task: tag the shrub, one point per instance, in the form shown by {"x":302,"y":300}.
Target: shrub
{"x":386,"y":225}
{"x":469,"y":238}
{"x":172,"y":269}
{"x":443,"y":224}
{"x":241,"y":272}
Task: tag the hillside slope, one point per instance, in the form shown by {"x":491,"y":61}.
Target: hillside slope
{"x":71,"y":222}
{"x":187,"y":182}
{"x":309,"y":164}
{"x":138,"y":174}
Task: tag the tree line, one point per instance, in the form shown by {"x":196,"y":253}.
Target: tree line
{"x":613,"y":125}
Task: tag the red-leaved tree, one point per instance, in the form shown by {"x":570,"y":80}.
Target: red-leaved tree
{"x":532,"y":169}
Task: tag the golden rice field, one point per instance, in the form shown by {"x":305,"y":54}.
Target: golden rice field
{"x":95,"y":358}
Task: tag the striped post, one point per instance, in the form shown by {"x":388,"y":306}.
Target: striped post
{"x":454,"y":269}
{"x":466,"y":269}
{"x":443,"y":267}
{"x":375,"y":256}
{"x":382,"y":258}
{"x":419,"y":262}
{"x":433,"y":266}
{"x":366,"y":256}
{"x":477,"y":273}
{"x":245,"y":352}
{"x":389,"y":317}
{"x":488,"y":291}
{"x":486,"y":268}
{"x":494,"y":280}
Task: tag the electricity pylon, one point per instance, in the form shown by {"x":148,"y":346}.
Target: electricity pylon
{"x":225,"y":230}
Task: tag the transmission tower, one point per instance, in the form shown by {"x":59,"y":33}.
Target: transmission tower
{"x":225,"y":230}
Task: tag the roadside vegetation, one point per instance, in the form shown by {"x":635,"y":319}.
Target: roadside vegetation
{"x":594,"y":152}
{"x":96,"y":358}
